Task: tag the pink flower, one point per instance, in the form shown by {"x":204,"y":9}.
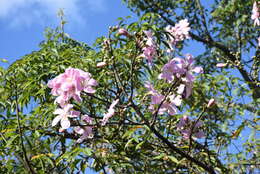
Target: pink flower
{"x":255,"y":14}
{"x":149,"y":50}
{"x":221,"y":65}
{"x":63,"y":116}
{"x":157,"y":98}
{"x":69,"y":85}
{"x":168,"y":107}
{"x":186,"y":127}
{"x":181,"y":89}
{"x":188,"y":64}
{"x":85,"y":131}
{"x":123,"y":31}
{"x":110,"y":113}
{"x":179,"y":32}
{"x":180,"y":68}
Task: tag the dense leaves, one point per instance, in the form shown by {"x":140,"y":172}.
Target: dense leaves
{"x":134,"y":138}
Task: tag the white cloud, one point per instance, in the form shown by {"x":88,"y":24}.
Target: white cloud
{"x":44,"y":12}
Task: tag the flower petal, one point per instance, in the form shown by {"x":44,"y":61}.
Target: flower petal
{"x":56,"y":120}
{"x":79,"y":130}
{"x":197,"y":69}
{"x":58,"y":111}
{"x":65,"y":123}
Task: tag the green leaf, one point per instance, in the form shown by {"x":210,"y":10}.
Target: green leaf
{"x":173,"y":159}
{"x":11,"y":140}
{"x":160,"y":156}
{"x":238,"y":131}
{"x":4,"y":60}
{"x":138,"y":146}
{"x":87,"y":151}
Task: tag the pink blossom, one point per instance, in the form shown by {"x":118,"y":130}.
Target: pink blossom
{"x":110,"y":113}
{"x":69,"y":85}
{"x":186,"y":127}
{"x":157,"y":98}
{"x":168,"y":107}
{"x":169,"y":70}
{"x":149,"y":50}
{"x":63,"y":116}
{"x":183,"y":69}
{"x":179,"y":32}
{"x":255,"y":14}
{"x":221,"y":65}
{"x":188,"y":64}
{"x":123,"y":31}
{"x":180,"y":68}
{"x":85,"y":131}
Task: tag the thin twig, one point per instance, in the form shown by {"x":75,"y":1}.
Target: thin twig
{"x":28,"y":165}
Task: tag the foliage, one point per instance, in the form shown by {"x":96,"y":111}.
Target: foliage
{"x":135,"y":139}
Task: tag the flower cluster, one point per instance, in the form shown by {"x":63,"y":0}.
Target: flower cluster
{"x":159,"y":99}
{"x":66,"y":86}
{"x":189,"y":128}
{"x":183,"y":69}
{"x":177,"y":71}
{"x":179,"y":32}
{"x":149,"y":50}
{"x":84,"y":131}
{"x":70,"y":84}
{"x":255,"y":14}
{"x":176,"y":68}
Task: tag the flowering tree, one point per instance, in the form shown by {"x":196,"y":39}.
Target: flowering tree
{"x":137,"y":101}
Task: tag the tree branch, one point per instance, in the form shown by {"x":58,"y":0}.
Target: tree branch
{"x":171,"y":146}
{"x":27,"y":162}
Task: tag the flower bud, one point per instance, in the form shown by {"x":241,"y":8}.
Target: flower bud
{"x":123,"y":31}
{"x":211,"y":103}
{"x":101,"y":64}
{"x":221,"y":65}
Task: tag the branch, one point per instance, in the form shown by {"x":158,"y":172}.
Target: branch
{"x":27,"y":162}
{"x":171,"y":146}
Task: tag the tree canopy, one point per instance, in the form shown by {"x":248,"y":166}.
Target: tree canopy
{"x":136,"y":101}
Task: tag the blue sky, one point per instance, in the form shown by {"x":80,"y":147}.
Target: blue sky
{"x":22,"y":22}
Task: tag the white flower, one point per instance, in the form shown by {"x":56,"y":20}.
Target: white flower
{"x":63,"y":115}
